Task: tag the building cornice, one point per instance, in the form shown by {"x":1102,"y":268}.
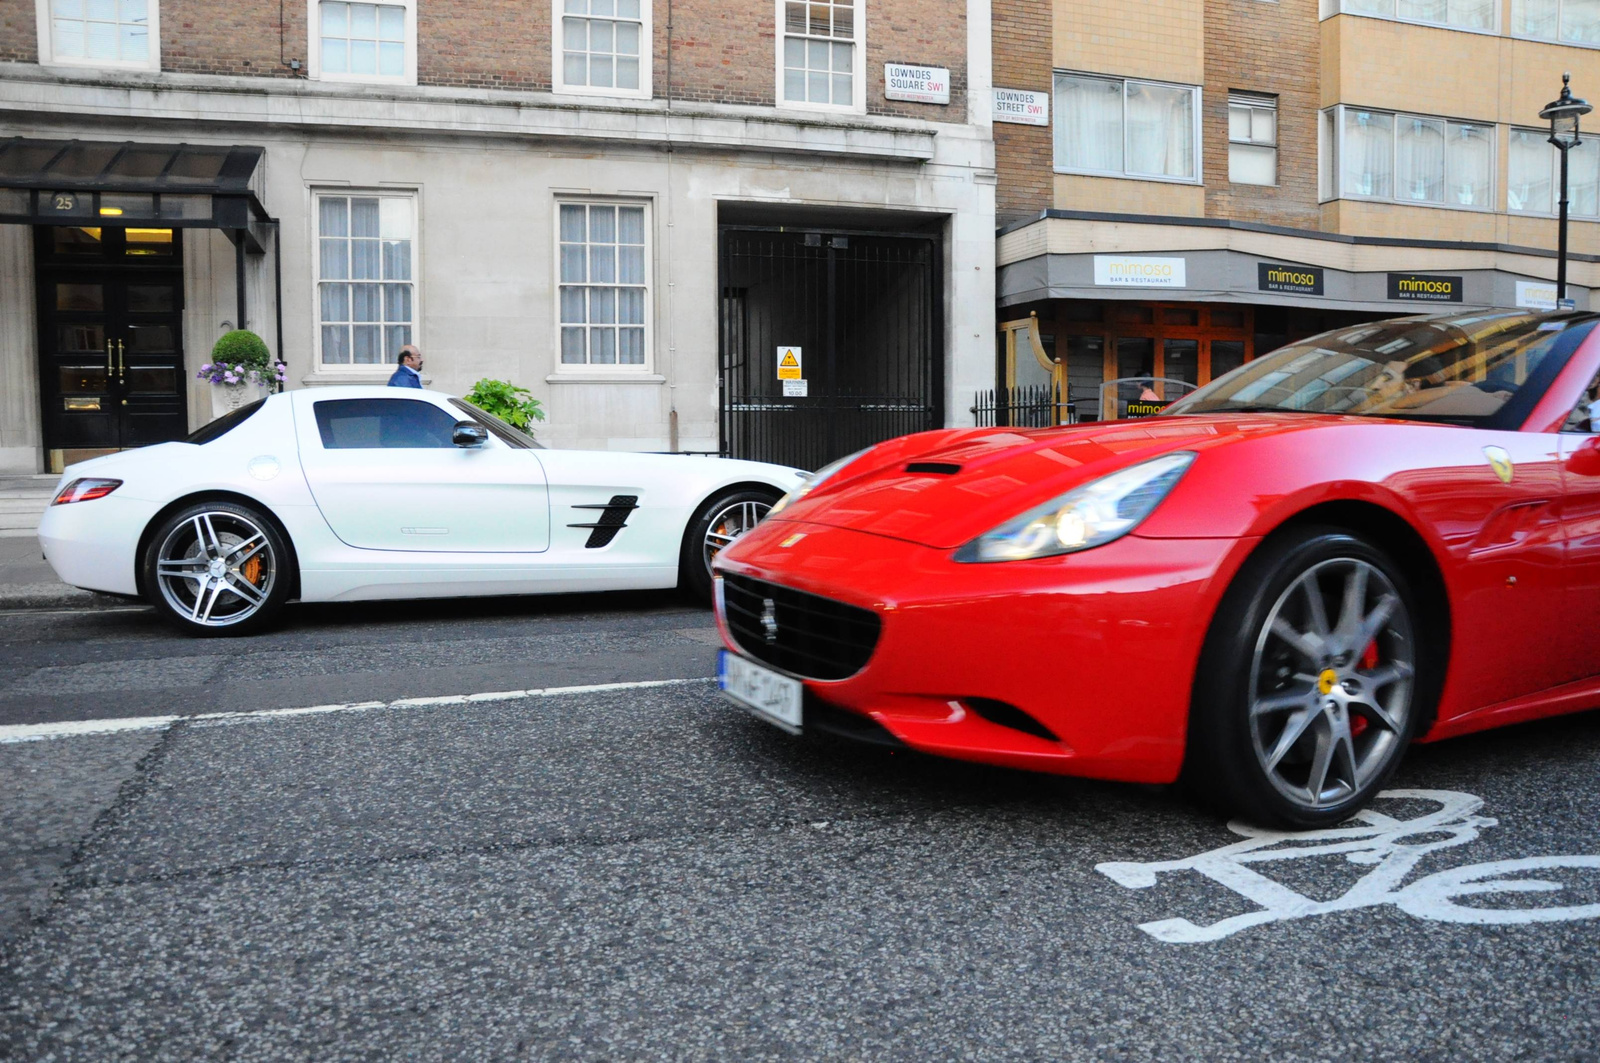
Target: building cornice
{"x":1046,"y":216}
{"x":39,"y":92}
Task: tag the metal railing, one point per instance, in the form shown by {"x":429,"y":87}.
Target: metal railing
{"x":1029,"y":406}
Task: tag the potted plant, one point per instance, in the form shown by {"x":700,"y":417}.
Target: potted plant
{"x":241,"y":370}
{"x":512,"y":404}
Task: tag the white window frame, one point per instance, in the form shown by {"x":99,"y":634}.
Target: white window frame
{"x":1259,"y":101}
{"x":858,"y":73}
{"x":328,"y":370}
{"x":1329,"y":8}
{"x":1555,"y":176}
{"x":1125,"y":174}
{"x":314,"y":69}
{"x":1550,"y":40}
{"x":1330,"y":179}
{"x":590,"y":370}
{"x":47,"y":51}
{"x":558,"y":82}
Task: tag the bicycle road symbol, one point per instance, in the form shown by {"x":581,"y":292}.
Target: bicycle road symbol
{"x":1392,"y":846}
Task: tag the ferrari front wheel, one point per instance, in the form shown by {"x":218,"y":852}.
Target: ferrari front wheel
{"x":1305,"y":699}
{"x":713,"y":529}
{"x":217,"y":568}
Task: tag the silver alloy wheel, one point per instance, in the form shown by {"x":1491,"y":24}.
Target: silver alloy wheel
{"x":216,"y":568}
{"x":1329,"y":703}
{"x":730,"y":522}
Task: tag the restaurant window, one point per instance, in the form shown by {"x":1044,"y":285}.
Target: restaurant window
{"x":604,"y":294}
{"x":820,"y":60}
{"x":602,"y":47}
{"x":1566,"y":21}
{"x":1252,"y":139}
{"x":108,"y":33}
{"x":1479,"y":15}
{"x":1533,"y":175}
{"x":366,"y":270}
{"x":1113,"y":127}
{"x":364,"y":42}
{"x":1406,"y":158}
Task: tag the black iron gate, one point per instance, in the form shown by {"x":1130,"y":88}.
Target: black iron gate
{"x":865,"y":311}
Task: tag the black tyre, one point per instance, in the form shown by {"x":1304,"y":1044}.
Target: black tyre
{"x":719,"y":522}
{"x":1306,"y":696}
{"x":217,"y":568}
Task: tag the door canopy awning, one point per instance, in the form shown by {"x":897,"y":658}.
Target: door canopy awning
{"x":118,"y":184}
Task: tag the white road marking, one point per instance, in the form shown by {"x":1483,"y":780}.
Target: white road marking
{"x":1392,"y":848}
{"x":38,"y":732}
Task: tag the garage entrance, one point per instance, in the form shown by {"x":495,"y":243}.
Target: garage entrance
{"x":830,"y":340}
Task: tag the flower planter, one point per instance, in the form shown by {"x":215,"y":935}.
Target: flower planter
{"x":225,"y":398}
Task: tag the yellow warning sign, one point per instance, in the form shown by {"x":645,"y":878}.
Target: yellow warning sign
{"x":789,"y":364}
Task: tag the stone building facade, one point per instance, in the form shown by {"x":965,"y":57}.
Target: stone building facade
{"x":626,"y":206}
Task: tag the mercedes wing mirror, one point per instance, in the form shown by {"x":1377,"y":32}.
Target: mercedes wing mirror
{"x":469,"y":434}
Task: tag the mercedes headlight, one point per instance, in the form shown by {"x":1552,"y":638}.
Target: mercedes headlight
{"x":813,"y":481}
{"x":1088,"y":516}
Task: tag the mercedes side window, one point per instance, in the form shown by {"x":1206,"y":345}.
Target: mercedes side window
{"x":383,"y":424}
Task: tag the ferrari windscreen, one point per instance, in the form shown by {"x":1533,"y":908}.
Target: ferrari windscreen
{"x":1468,"y":369}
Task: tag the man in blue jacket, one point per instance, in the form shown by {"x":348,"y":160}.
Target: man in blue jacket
{"x":409,"y":373}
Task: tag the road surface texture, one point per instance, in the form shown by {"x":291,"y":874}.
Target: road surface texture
{"x":648,"y":873}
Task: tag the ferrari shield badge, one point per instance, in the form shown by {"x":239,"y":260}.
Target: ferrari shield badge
{"x":1500,"y":462}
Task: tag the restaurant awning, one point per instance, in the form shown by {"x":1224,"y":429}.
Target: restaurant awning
{"x":85,"y":182}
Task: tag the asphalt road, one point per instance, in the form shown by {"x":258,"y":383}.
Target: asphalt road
{"x":649,"y":873}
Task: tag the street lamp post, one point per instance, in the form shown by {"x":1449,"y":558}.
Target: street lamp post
{"x":1563,"y":113}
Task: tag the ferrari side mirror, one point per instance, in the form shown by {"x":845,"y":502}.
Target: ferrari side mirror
{"x":1585,"y":461}
{"x":469,"y":434}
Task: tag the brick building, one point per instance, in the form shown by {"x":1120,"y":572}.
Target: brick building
{"x":626,"y":206}
{"x":1183,"y":184}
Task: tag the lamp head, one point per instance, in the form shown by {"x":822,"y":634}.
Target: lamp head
{"x":1563,"y":113}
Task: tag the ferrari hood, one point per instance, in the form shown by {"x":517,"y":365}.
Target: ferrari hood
{"x":943,"y":488}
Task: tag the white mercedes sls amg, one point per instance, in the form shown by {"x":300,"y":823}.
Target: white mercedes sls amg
{"x":361,"y":493}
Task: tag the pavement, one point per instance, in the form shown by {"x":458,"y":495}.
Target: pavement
{"x":647,"y":872}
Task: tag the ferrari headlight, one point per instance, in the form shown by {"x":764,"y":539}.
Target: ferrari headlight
{"x":1088,"y":516}
{"x":813,"y":482}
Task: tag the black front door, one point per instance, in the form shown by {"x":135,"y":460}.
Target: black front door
{"x":110,"y":339}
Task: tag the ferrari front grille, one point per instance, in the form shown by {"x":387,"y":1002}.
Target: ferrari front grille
{"x":803,"y":634}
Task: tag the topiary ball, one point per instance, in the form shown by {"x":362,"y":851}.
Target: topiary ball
{"x":241,"y":345}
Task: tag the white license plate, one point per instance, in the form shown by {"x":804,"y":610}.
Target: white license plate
{"x":773,"y":697}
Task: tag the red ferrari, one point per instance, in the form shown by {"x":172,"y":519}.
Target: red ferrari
{"x":1384,"y":533}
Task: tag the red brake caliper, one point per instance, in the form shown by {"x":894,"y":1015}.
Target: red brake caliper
{"x":1369,"y":661}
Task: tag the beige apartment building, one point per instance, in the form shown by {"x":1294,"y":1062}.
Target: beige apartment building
{"x":1184,"y":183}
{"x":626,"y":206}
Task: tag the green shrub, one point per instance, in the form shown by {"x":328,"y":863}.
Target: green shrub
{"x":242,"y":347}
{"x":505,"y":400}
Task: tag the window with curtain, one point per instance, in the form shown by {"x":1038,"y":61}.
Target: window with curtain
{"x":1252,"y":139}
{"x":1367,"y":154}
{"x":603,"y":45}
{"x":1530,"y":173}
{"x":101,"y":31}
{"x":1125,"y":128}
{"x":1413,"y":159}
{"x":604,"y":286}
{"x":1569,"y":21}
{"x":819,"y":43}
{"x":362,"y":41}
{"x":366,"y":269}
{"x":1461,"y":14}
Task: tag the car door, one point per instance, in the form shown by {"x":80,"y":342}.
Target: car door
{"x":1580,"y":512}
{"x":387,"y":476}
